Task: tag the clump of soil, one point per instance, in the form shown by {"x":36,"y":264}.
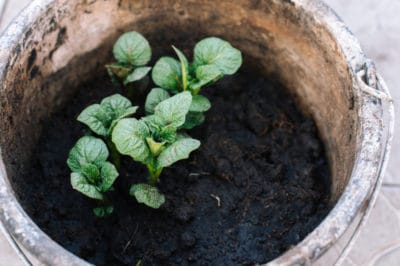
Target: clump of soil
{"x":256,"y":187}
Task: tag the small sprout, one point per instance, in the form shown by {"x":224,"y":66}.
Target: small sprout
{"x":154,"y":140}
{"x":103,"y":211}
{"x":213,"y":58}
{"x":92,"y":174}
{"x":101,"y":119}
{"x":132,"y":52}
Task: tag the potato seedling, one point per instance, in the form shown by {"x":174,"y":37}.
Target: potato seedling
{"x":213,"y":58}
{"x":92,"y":174}
{"x":102,"y":118}
{"x":132,"y":52}
{"x":155,"y":142}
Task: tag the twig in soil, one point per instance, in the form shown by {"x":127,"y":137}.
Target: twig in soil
{"x":217,"y":198}
{"x":130,"y":239}
{"x":199,"y":174}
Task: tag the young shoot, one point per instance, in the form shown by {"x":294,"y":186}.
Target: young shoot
{"x":132,"y":52}
{"x":213,"y":58}
{"x":102,"y":118}
{"x":92,"y":174}
{"x":155,"y":142}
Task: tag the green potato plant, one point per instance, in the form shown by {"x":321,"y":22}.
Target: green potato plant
{"x":92,"y":175}
{"x":132,"y":52}
{"x":213,"y":59}
{"x":155,"y":142}
{"x":102,"y":118}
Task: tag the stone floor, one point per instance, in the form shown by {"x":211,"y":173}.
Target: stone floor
{"x":376,"y":24}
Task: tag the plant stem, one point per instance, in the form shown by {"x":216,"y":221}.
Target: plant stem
{"x":153,"y":174}
{"x":116,"y":158}
{"x":196,"y":91}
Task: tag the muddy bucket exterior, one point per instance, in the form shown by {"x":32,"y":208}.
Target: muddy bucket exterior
{"x":302,"y":42}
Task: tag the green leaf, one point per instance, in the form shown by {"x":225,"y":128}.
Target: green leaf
{"x":206,"y":75}
{"x":91,"y":172}
{"x":155,"y":147}
{"x":79,"y":183}
{"x":87,"y":150}
{"x":177,"y":151}
{"x":132,"y":48}
{"x":137,"y":74}
{"x":172,"y":111}
{"x":118,"y":106}
{"x":108,"y":175}
{"x":167,"y":134}
{"x":96,"y":118}
{"x":184,"y":67}
{"x":154,"y":97}
{"x":167,"y":74}
{"x":101,"y":118}
{"x":119,"y":70}
{"x":103,"y":211}
{"x":217,"y":52}
{"x":147,"y":195}
{"x":199,"y":104}
{"x":193,"y":119}
{"x":129,"y":136}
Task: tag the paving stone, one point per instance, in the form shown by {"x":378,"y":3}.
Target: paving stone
{"x":381,"y":231}
{"x":8,"y":257}
{"x":389,"y":258}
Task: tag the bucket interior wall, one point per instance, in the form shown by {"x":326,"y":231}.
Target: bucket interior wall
{"x":52,"y":59}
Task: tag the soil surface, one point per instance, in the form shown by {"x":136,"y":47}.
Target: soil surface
{"x":257,"y":185}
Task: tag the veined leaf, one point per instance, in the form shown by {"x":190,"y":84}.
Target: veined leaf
{"x":101,"y":118}
{"x":132,"y":48}
{"x":129,"y":136}
{"x":87,"y":150}
{"x":167,"y":134}
{"x":108,"y":175}
{"x":118,"y":106}
{"x":173,"y":110}
{"x":217,"y":52}
{"x":177,"y":151}
{"x":91,"y":172}
{"x":199,"y":104}
{"x":96,"y":118}
{"x":80,"y":183}
{"x":137,"y":74}
{"x":147,"y":195}
{"x":206,"y":75}
{"x":154,"y":97}
{"x":167,"y":74}
{"x":193,"y":119}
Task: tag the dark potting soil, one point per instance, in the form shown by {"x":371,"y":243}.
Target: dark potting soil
{"x":257,"y":185}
